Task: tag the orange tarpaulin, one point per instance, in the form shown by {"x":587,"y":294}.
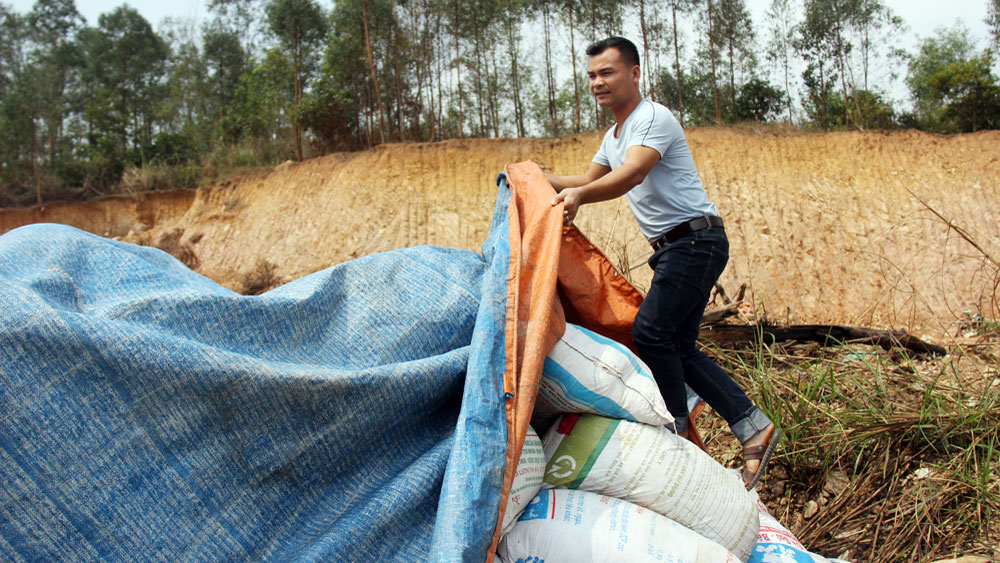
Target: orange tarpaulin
{"x":555,"y":275}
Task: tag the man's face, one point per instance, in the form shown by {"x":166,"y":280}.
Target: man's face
{"x":612,"y":81}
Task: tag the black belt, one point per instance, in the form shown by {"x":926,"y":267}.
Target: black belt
{"x":685,"y":228}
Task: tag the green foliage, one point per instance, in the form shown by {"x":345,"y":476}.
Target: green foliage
{"x":226,"y":62}
{"x":259,"y":112}
{"x":838,"y":40}
{"x":126,"y":61}
{"x":970,"y":93}
{"x":758,"y":101}
{"x":870,"y":110}
{"x":953,"y":88}
{"x":699,"y":106}
{"x":266,"y":81}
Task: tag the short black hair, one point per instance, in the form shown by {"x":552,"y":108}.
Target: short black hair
{"x":627,"y":49}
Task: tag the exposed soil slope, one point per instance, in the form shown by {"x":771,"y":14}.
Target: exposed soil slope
{"x":822,"y":226}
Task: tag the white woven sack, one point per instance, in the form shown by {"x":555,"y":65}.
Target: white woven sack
{"x":588,"y":373}
{"x":776,"y":543}
{"x":652,"y":467}
{"x":563,"y":525}
{"x":527,"y":479}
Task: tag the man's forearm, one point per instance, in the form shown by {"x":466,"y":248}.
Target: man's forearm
{"x":612,"y":185}
{"x":560,"y":183}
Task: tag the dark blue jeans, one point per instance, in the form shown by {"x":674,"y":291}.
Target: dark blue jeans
{"x":666,"y":329}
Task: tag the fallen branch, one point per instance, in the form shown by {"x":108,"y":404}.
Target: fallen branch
{"x":824,"y":334}
{"x":713,"y":316}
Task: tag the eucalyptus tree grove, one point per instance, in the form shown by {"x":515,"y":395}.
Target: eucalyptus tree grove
{"x":84,"y":107}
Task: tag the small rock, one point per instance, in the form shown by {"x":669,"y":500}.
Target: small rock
{"x":778,"y":488}
{"x":836,"y":482}
{"x":812,"y":507}
{"x":966,"y":559}
{"x":778,"y":473}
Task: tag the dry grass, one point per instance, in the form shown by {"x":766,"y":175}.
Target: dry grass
{"x":899,"y":457}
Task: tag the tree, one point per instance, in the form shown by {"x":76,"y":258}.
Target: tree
{"x":53,"y":25}
{"x":822,"y":42}
{"x":187,"y":107}
{"x":13,"y":37}
{"x":711,"y":43}
{"x":299,"y":25}
{"x":375,"y":58}
{"x":682,"y":6}
{"x":242,"y":17}
{"x":949,"y":46}
{"x":15,"y":94}
{"x":970,"y":93}
{"x":758,"y":101}
{"x":845,"y":40}
{"x":779,"y":47}
{"x":510,"y":18}
{"x":125,"y":63}
{"x":260,"y":110}
{"x":698,"y":88}
{"x":225,"y":61}
{"x":993,"y":20}
{"x":734,"y":30}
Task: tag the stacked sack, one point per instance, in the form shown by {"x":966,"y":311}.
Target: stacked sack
{"x":777,"y":543}
{"x":618,"y":485}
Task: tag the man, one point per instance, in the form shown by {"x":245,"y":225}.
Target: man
{"x":645,"y":157}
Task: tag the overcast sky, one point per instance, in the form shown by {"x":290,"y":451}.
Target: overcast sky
{"x":922,"y":16}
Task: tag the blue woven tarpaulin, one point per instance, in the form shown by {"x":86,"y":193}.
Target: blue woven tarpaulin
{"x":147,"y":413}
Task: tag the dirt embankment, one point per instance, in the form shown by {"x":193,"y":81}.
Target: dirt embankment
{"x":823,"y":227}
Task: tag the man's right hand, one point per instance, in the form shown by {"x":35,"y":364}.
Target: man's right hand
{"x":571,"y":199}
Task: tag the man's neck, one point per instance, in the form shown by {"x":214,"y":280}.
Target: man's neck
{"x":622,"y":112}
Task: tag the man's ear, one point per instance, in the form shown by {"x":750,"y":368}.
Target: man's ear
{"x":636,"y":73}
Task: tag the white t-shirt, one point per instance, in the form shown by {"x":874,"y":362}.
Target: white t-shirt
{"x":672,"y":192}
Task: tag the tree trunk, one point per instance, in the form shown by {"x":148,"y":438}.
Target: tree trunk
{"x":479,"y":75}
{"x":298,"y":92}
{"x":843,"y":81}
{"x":458,"y":72}
{"x":512,"y":50}
{"x":645,"y":45}
{"x":711,"y":56}
{"x":576,"y":71}
{"x":34,"y":163}
{"x":371,"y":68}
{"x":732,"y":75}
{"x":421,"y":71}
{"x":439,"y":63}
{"x":400,"y":131}
{"x":548,"y":69}
{"x":785,"y":64}
{"x":492,"y":95}
{"x":677,"y":66}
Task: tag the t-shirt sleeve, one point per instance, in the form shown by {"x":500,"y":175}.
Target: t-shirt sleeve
{"x":602,"y":154}
{"x":656,"y":129}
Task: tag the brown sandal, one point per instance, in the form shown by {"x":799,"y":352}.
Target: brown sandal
{"x":762,"y":453}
